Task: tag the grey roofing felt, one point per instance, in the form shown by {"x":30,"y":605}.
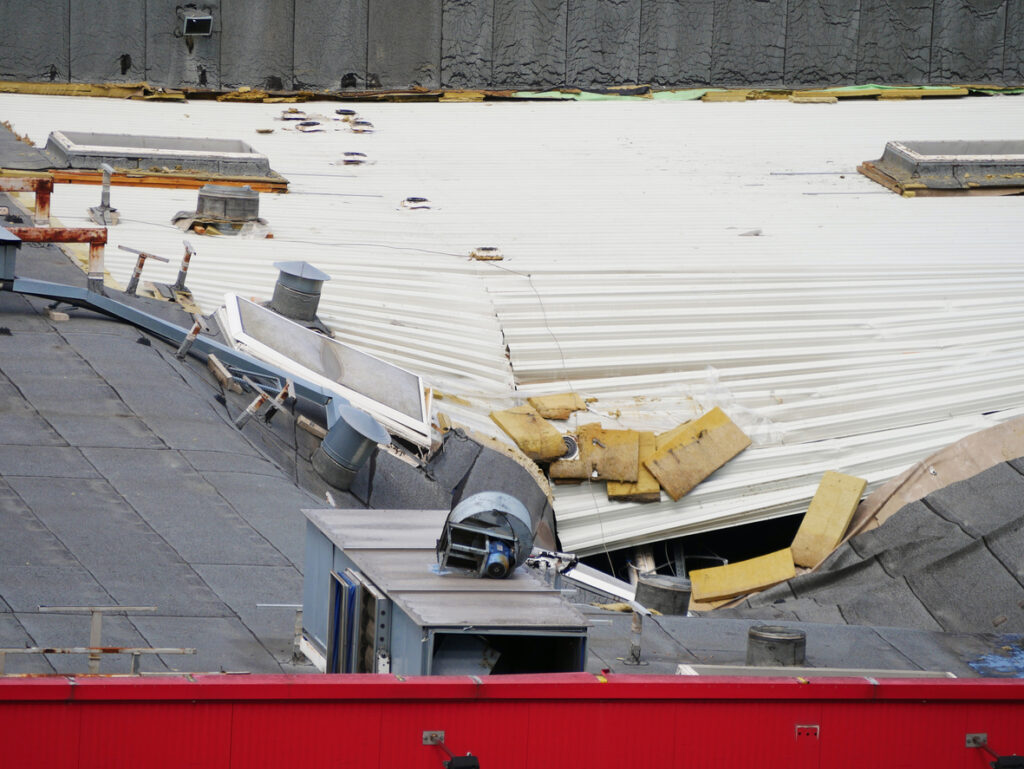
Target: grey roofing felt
{"x":953,"y":561}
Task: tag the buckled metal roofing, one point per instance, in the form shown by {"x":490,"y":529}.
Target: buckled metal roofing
{"x":663,"y":257}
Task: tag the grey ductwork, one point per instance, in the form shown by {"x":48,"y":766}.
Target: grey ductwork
{"x":297,"y":292}
{"x":347,"y":446}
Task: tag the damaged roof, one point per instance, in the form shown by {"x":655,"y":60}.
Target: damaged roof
{"x":661,"y":257}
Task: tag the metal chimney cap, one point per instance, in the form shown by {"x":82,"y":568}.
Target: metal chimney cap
{"x":302,"y":270}
{"x":9,"y":238}
{"x":365,"y":425}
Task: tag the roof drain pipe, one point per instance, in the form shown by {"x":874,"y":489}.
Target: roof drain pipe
{"x":349,"y":442}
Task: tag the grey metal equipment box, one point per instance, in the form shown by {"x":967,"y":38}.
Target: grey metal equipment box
{"x":9,"y":245}
{"x":375,"y":601}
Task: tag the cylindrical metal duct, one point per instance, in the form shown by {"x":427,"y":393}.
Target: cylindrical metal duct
{"x":222,"y":201}
{"x":490,"y":533}
{"x":297,"y":292}
{"x":775,"y":645}
{"x":347,"y":446}
{"x":669,"y":595}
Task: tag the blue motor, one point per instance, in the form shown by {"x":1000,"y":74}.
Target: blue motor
{"x":496,"y":564}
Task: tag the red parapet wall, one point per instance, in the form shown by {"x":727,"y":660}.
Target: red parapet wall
{"x":572,"y":720}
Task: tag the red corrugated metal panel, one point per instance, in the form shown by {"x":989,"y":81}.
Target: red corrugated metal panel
{"x":528,"y":721}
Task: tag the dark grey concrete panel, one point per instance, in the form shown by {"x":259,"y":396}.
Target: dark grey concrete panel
{"x":454,"y":459}
{"x":529,"y":43}
{"x":852,"y":647}
{"x":603,"y":42}
{"x":399,"y":486}
{"x":257,"y":44}
{"x":175,"y":61}
{"x":120,"y":431}
{"x":404,"y":44}
{"x":675,"y":42}
{"x":971,"y":591}
{"x":821,"y":42}
{"x":894,"y":42}
{"x":73,"y":630}
{"x":749,"y":42}
{"x":330,"y":44}
{"x":14,"y":636}
{"x":467,"y":41}
{"x":201,"y":526}
{"x":108,"y":41}
{"x":25,"y":541}
{"x":938,"y":651}
{"x":175,"y":589}
{"x":229,"y":462}
{"x":222,"y":644}
{"x":983,"y":503}
{"x":889,"y":603}
{"x":967,"y":41}
{"x":1013,"y":51}
{"x":249,"y":590}
{"x":35,"y":40}
{"x":273,"y":508}
{"x":46,"y":461}
{"x":26,"y":587}
{"x":92,"y":521}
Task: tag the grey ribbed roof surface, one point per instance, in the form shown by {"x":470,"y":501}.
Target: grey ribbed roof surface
{"x":953,"y":561}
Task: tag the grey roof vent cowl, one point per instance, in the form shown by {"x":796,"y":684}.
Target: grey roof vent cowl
{"x":347,"y":445}
{"x":297,"y":292}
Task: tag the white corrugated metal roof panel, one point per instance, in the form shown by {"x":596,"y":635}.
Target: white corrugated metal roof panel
{"x":662,"y":257}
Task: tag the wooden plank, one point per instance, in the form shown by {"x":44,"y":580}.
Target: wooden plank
{"x":827,"y":518}
{"x":742,"y":577}
{"x":558,"y":406}
{"x":696,"y":452}
{"x":169,"y":181}
{"x":604,"y":455}
{"x":531,"y":433}
{"x":646,"y":488}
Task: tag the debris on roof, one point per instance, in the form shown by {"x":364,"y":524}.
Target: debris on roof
{"x":699,"y":449}
{"x":742,"y":577}
{"x":827,"y":518}
{"x":557,"y":406}
{"x":531,"y":432}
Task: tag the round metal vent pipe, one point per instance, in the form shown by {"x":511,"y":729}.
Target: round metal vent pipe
{"x":775,"y":645}
{"x":347,"y":446}
{"x":223,"y":201}
{"x":669,"y":595}
{"x":297,"y":292}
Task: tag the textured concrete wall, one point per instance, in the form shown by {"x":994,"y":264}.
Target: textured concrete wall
{"x":256,"y":47}
{"x":173,"y":60}
{"x":108,"y":41}
{"x":894,"y":41}
{"x":748,"y":42}
{"x":467,"y":39}
{"x":603,"y":41}
{"x":405,"y":44}
{"x":527,"y":44}
{"x":330,"y":44}
{"x":967,"y":40}
{"x":821,"y":42}
{"x":675,"y":42}
{"x":35,"y":46}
